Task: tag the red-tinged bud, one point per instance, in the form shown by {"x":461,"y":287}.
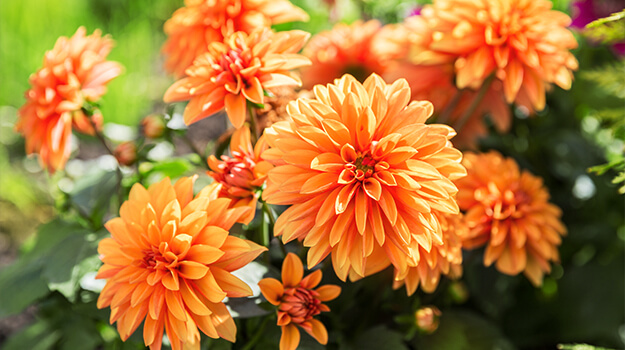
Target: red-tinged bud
{"x":126,"y":153}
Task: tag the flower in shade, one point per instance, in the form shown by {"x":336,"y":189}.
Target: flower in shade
{"x":199,"y":23}
{"x":442,"y":259}
{"x":428,"y":318}
{"x":169,"y":261}
{"x":298,"y":302}
{"x":363,"y":174}
{"x":508,"y":210}
{"x":238,"y":70}
{"x":241,"y":176}
{"x":346,"y":49}
{"x":435,"y":83}
{"x":74,"y":75}
{"x":524,"y":43}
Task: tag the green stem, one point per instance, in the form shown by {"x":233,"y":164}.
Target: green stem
{"x":258,"y":335}
{"x":118,"y":170}
{"x":267,"y":209}
{"x":443,"y":117}
{"x":476,"y":101}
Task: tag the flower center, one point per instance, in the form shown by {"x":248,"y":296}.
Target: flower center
{"x":160,"y":258}
{"x":236,"y":172}
{"x":301,"y":303}
{"x":363,"y":167}
{"x":232,"y":61}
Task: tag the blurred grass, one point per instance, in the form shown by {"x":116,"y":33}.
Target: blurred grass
{"x":28,"y":28}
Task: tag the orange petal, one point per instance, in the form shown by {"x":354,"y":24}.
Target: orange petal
{"x":254,"y":93}
{"x":290,"y":337}
{"x":328,"y":292}
{"x":292,"y":270}
{"x":318,"y":331}
{"x":236,"y":109}
{"x":272,"y":290}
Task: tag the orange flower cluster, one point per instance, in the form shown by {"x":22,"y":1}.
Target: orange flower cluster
{"x":524,"y":43}
{"x":74,"y":73}
{"x":441,"y":259}
{"x":169,"y":261}
{"x":238,"y":70}
{"x":509,"y":211}
{"x":241,"y":176}
{"x":363,"y":174}
{"x":346,"y":49}
{"x":199,"y":23}
{"x":298,"y":302}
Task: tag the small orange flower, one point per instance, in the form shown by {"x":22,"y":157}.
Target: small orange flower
{"x":442,"y":259}
{"x":363,"y":174}
{"x":126,"y":153}
{"x":239,"y":70}
{"x":153,"y":126}
{"x":298,"y":302}
{"x":428,"y":318}
{"x":241,"y":176}
{"x":346,"y":49}
{"x":524,"y":43}
{"x":169,"y":261}
{"x":74,"y":73}
{"x":509,"y":211}
{"x":199,"y":23}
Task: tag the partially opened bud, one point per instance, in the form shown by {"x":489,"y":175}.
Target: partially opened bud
{"x":428,"y":318}
{"x":126,"y":153}
{"x":153,"y":126}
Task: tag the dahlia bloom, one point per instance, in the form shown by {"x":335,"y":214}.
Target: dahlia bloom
{"x":199,"y":23}
{"x":435,"y":83}
{"x":347,"y":48}
{"x":524,"y":43}
{"x":363,"y":174}
{"x":298,"y":302}
{"x":238,"y":70}
{"x":508,"y":210}
{"x":442,"y":259}
{"x":169,"y":261}
{"x":74,"y":73}
{"x":241,"y":176}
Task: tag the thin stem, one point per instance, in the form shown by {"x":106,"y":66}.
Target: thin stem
{"x":476,"y":101}
{"x":118,"y":170}
{"x":443,"y":117}
{"x":267,"y":209}
{"x":194,"y":148}
{"x":258,"y":335}
{"x":253,"y":127}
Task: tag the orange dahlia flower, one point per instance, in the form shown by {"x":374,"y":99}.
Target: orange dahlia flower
{"x":363,"y":174}
{"x":199,"y":23}
{"x":524,"y":43}
{"x":241,"y":176}
{"x":442,"y":259}
{"x":509,"y":211}
{"x":346,"y":49}
{"x":298,"y":302}
{"x":169,"y":261}
{"x":239,"y":70}
{"x":435,"y":83}
{"x":74,"y":73}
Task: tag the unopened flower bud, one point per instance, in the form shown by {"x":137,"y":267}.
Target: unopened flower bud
{"x":428,"y":318}
{"x":126,"y":153}
{"x":153,"y":126}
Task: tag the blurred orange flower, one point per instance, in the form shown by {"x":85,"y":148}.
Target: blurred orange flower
{"x":435,"y":83}
{"x":239,"y":70}
{"x":199,"y":23}
{"x":169,"y":261}
{"x":298,"y":302}
{"x":524,"y":43}
{"x":74,"y":73}
{"x":347,"y":48}
{"x":241,"y":176}
{"x":442,"y":259}
{"x":363,"y":174}
{"x":509,"y":211}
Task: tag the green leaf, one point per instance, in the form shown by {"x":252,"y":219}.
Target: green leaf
{"x":92,"y":193}
{"x":380,"y":337}
{"x":462,"y":330}
{"x":579,"y":347}
{"x":20,"y":285}
{"x":68,"y":262}
{"x":610,"y":29}
{"x":36,"y":337}
{"x":172,"y":167}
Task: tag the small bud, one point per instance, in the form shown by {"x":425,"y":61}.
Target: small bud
{"x":153,"y":126}
{"x":126,"y":153}
{"x":427,"y":319}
